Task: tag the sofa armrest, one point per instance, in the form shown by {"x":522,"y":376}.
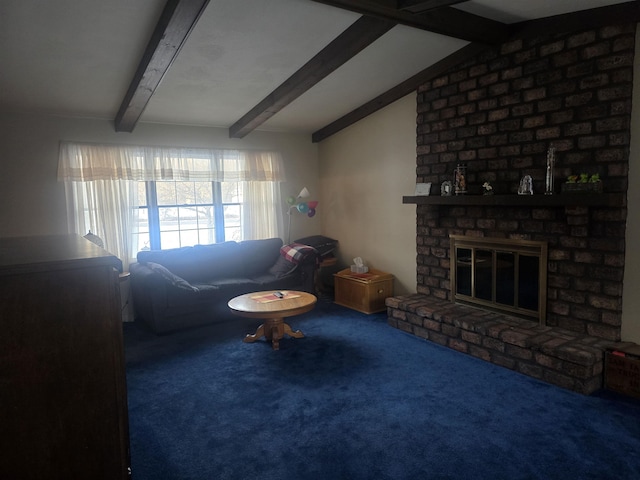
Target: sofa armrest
{"x":173,"y":279}
{"x":154,"y":288}
{"x":147,"y":288}
{"x":144,"y":277}
{"x":307,"y":271}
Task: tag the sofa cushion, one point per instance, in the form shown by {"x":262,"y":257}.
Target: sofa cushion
{"x":218,"y":260}
{"x":232,"y":287}
{"x":269,"y":282}
{"x":257,"y":256}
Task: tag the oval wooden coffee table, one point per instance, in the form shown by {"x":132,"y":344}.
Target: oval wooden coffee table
{"x":273,"y":310}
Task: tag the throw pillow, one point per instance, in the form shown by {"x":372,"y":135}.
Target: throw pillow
{"x":282,"y":267}
{"x":170,"y":277}
{"x":258,"y":255}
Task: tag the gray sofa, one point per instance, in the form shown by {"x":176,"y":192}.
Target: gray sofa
{"x":190,"y":286}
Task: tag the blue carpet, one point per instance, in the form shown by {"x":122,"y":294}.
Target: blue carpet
{"x":357,"y":399}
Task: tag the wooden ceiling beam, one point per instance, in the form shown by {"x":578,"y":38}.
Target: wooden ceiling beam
{"x":628,"y":12}
{"x":399,"y":91}
{"x":349,"y":43}
{"x":420,"y":6}
{"x":177,"y":21}
{"x":445,"y":21}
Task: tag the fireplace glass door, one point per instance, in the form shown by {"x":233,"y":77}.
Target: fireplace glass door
{"x":500,"y":274}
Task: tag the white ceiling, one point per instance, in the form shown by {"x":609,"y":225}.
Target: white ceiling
{"x":78,"y":57}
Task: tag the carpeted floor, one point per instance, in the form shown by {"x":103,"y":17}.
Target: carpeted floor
{"x":357,"y":399}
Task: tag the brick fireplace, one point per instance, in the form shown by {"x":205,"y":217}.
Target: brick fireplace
{"x":498,"y":114}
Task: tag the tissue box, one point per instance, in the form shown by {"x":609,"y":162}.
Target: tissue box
{"x":358,"y":269}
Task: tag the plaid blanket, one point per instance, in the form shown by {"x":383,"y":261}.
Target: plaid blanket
{"x":296,"y":252}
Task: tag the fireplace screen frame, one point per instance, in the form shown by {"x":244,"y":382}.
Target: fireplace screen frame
{"x":516,"y":247}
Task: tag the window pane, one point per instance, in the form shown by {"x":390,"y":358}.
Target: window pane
{"x":188,"y":219}
{"x":233,"y":222}
{"x":204,"y":192}
{"x":170,"y":239}
{"x":166,"y":192}
{"x":231,"y":192}
{"x":233,"y":234}
{"x":168,"y":218}
{"x":141,"y":219}
{"x":205,"y":217}
{"x":232,"y":215}
{"x":142,"y":194}
{"x":185,"y":193}
{"x":188,"y":238}
{"x":141,"y":239}
{"x":206,"y":236}
{"x":141,"y":242}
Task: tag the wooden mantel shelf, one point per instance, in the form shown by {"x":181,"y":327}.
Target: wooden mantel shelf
{"x":557,"y":200}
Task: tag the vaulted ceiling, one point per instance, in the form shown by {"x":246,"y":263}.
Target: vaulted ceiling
{"x":312,"y":66}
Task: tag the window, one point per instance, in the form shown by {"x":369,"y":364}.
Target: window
{"x":172,"y":214}
{"x":151,"y":197}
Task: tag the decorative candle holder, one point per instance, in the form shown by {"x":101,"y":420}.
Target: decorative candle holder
{"x":551,"y":161}
{"x":460,"y":179}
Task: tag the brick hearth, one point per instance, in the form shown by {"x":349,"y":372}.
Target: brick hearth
{"x":554,"y":355}
{"x":499,"y":113}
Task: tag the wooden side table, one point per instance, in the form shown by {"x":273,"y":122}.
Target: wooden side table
{"x":364,"y":292}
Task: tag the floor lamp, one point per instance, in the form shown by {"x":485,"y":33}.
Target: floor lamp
{"x":308,"y":208}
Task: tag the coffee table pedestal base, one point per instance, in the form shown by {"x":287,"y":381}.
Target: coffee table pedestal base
{"x":273,"y":329}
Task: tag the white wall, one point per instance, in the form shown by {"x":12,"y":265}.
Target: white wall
{"x":631,"y":285}
{"x":365,"y":170}
{"x":32,"y":201}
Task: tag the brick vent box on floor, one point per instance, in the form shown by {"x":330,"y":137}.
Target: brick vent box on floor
{"x":622,"y":370}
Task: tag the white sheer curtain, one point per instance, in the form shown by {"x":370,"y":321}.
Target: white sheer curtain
{"x":262,"y":214}
{"x":106,"y":208}
{"x":101,"y":184}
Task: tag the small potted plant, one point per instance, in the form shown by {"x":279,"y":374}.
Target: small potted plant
{"x":583,"y":183}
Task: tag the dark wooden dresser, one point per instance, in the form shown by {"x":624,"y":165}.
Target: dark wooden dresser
{"x":63,"y":402}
